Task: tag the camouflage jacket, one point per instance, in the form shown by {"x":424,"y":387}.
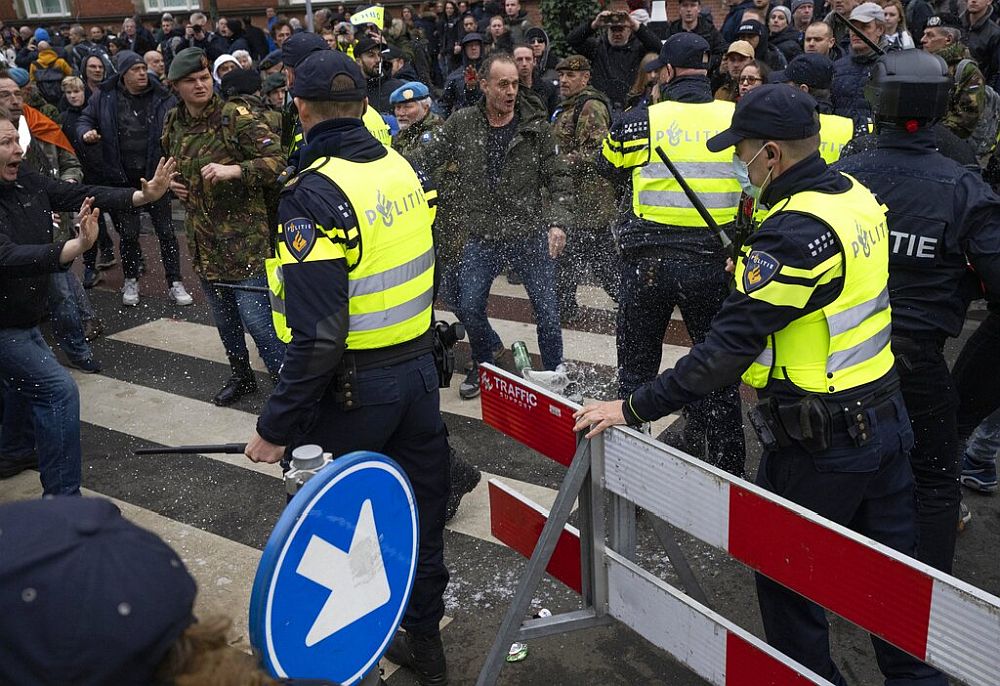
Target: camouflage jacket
{"x":227,"y":225}
{"x":256,"y":104}
{"x":580,"y":125}
{"x":449,"y":234}
{"x":968,"y":95}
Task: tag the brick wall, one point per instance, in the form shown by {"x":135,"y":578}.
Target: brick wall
{"x":111,"y":12}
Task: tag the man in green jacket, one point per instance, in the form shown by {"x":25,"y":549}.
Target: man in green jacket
{"x":514,"y":196}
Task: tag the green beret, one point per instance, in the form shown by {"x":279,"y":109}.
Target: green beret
{"x":573,"y":63}
{"x":187,"y":61}
{"x":273,"y":82}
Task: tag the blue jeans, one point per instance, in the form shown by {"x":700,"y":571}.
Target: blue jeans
{"x":484,"y":260}
{"x":984,"y":444}
{"x":237,"y":312}
{"x":41,"y":410}
{"x":67,"y":306}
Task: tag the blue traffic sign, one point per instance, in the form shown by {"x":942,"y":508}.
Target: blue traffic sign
{"x":336,"y":574}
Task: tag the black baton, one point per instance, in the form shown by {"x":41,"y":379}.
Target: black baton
{"x":857,"y":32}
{"x":210,"y":449}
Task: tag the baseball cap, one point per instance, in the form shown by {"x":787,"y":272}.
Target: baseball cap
{"x":868,"y":12}
{"x":86,"y":597}
{"x":741,"y":47}
{"x":771,"y":112}
{"x":750,"y":27}
{"x":472,"y":37}
{"x":391,"y":52}
{"x":299,"y":45}
{"x":812,"y":69}
{"x":686,"y":50}
{"x":366,"y":44}
{"x":315,"y":74}
{"x":412,"y":90}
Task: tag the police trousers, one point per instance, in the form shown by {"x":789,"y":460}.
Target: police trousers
{"x":400,"y":416}
{"x":868,"y":489}
{"x":651,"y":287}
{"x":932,"y":404}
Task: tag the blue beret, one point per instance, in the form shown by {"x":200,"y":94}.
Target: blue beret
{"x":412,"y":90}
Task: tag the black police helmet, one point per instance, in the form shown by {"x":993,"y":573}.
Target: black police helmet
{"x":909,"y":85}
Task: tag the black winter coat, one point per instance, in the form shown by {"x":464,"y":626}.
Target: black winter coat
{"x":613,"y":69}
{"x":101,"y":113}
{"x":983,"y":41}
{"x":789,"y":42}
{"x":27,"y":253}
{"x":850,"y":73}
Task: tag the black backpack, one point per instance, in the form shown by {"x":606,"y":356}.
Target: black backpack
{"x":48,"y":80}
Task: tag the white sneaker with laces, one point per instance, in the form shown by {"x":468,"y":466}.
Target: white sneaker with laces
{"x":130,"y":292}
{"x":179,"y":294}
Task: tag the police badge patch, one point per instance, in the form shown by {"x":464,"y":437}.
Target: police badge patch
{"x":760,"y":268}
{"x":300,"y":236}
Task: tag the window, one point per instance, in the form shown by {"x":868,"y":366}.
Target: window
{"x":46,"y":8}
{"x":172,"y":5}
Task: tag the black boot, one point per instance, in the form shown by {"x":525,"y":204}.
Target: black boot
{"x":423,"y":655}
{"x":241,"y":383}
{"x":464,"y":478}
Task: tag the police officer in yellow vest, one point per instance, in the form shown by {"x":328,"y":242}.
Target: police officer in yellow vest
{"x":809,"y":326}
{"x":357,"y":266}
{"x":294,"y":50}
{"x":813,"y":74}
{"x":669,"y":257}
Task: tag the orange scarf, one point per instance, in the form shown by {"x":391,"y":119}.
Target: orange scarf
{"x":45,"y":129}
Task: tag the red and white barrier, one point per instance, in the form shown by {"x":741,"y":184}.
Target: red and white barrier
{"x":709,"y":644}
{"x":934,"y":616}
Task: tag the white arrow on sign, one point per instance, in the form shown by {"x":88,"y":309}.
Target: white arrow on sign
{"x":356,"y":579}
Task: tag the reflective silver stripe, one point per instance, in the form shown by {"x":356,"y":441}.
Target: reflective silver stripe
{"x":394,"y":315}
{"x":713,"y":201}
{"x":766,"y":357}
{"x":689,"y":170}
{"x":862,"y":352}
{"x":853,"y":316}
{"x":277,"y":304}
{"x":396,"y":276}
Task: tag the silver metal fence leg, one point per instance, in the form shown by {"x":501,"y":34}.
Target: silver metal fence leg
{"x":678,"y":559}
{"x":622,"y":536}
{"x":558,"y":516}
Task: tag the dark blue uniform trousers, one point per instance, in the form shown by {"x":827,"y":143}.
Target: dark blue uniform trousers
{"x":400,"y":417}
{"x":650,"y":289}
{"x":867,"y":489}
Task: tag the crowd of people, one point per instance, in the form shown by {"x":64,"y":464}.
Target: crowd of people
{"x":535,"y":161}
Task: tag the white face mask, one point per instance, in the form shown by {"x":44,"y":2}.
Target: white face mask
{"x":742,"y":171}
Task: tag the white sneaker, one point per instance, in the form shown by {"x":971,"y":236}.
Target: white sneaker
{"x":130,"y":292}
{"x":179,"y":295}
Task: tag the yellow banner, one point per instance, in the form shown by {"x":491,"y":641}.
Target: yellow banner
{"x":373,"y":15}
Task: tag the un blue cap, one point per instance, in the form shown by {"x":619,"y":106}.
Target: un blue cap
{"x":771,"y":112}
{"x":685,"y":50}
{"x":412,"y":90}
{"x":315,"y":74}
